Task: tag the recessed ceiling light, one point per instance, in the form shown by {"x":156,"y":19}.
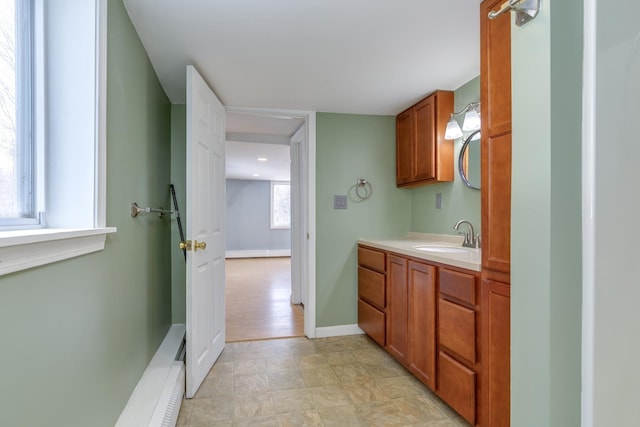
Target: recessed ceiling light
{"x":255,"y":174}
{"x":262,"y":159}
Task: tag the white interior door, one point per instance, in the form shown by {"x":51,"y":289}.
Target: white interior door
{"x":205,"y":228}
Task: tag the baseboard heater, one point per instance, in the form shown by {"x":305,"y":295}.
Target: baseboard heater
{"x":156,"y":400}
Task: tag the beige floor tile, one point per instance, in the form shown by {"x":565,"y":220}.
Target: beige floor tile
{"x":329,"y":396}
{"x":341,"y":358}
{"x":209,"y":410}
{"x":281,"y":364}
{"x":397,"y":386}
{"x":367,"y":392}
{"x":249,"y":367}
{"x":292,"y":401}
{"x":260,"y":405}
{"x":271,"y":421}
{"x":341,"y":416}
{"x":247,"y":385}
{"x":372,"y":356}
{"x":285,"y":380}
{"x":351,"y":373}
{"x":215,"y":387}
{"x":419,"y":408}
{"x":300,"y":419}
{"x":310,"y":361}
{"x":339,"y":381}
{"x":318,"y":377}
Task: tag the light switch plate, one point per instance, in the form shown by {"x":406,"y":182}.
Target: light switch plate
{"x":339,"y":202}
{"x":438,"y":200}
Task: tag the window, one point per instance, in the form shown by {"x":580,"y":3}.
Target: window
{"x":18,"y":178}
{"x":280,"y":204}
{"x":62,"y":163}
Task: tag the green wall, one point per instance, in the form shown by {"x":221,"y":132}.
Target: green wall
{"x":179,"y":181}
{"x":458,"y":200}
{"x":546,"y":211}
{"x":349,"y":147}
{"x":77,"y":334}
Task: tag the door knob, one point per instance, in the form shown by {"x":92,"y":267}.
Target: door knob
{"x":185,"y":245}
{"x":200,"y":245}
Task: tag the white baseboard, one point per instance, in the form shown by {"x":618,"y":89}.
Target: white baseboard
{"x":158,"y":395}
{"x":338,"y":331}
{"x":258,"y":253}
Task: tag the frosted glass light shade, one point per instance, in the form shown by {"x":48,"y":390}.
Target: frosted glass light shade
{"x":453,"y":130}
{"x":471,"y":121}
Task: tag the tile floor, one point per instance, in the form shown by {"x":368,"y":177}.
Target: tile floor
{"x":339,"y":381}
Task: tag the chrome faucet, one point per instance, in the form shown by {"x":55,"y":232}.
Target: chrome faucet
{"x":471,"y":240}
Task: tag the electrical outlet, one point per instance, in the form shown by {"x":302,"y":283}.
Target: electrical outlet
{"x":438,"y":200}
{"x":339,"y":202}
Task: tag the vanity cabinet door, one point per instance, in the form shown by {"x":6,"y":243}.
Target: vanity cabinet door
{"x":422,"y":322}
{"x":397,"y":307}
{"x":496,"y":305}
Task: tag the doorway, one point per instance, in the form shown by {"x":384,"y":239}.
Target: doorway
{"x":268,"y":260}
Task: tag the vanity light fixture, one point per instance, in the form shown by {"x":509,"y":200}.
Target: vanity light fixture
{"x":262,"y":159}
{"x":471,"y":121}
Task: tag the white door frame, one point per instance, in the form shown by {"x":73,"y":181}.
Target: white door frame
{"x":307,"y":204}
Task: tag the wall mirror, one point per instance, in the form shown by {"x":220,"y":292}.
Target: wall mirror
{"x":469,"y":161}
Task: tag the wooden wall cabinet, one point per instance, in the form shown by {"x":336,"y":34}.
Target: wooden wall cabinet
{"x":423,"y":156}
{"x":495,"y":95}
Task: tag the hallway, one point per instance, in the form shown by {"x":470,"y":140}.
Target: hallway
{"x":257,"y":300}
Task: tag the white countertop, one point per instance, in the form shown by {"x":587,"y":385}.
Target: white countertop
{"x":470,"y":260}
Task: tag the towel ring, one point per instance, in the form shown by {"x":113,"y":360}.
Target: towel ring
{"x":363,"y":186}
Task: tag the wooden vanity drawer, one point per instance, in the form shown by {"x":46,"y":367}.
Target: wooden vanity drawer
{"x":372,"y":259}
{"x":371,"y":320}
{"x":457,"y":386}
{"x":457,"y":329}
{"x":371,"y":287}
{"x":458,"y":285}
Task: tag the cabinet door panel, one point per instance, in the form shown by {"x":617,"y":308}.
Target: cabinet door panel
{"x":371,"y":320}
{"x":425,"y":148}
{"x":422,"y":322}
{"x":457,"y":386}
{"x":457,"y":330}
{"x":405,"y":135}
{"x":371,"y":287}
{"x":496,"y":203}
{"x":460,"y":286}
{"x":370,"y":258}
{"x":496,"y":306}
{"x":397,"y":307}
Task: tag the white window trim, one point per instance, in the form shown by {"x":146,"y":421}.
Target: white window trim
{"x":272,"y":226}
{"x":23,"y":249}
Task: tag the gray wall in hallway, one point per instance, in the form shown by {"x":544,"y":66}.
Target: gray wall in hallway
{"x":248,"y":220}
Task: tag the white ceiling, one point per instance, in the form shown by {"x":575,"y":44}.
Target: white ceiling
{"x":342,"y":56}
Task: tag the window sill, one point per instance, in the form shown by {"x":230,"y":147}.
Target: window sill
{"x":23,"y":249}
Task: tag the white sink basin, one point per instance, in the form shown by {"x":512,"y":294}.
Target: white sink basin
{"x":443,"y":249}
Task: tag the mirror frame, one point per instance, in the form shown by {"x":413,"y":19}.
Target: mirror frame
{"x":463,"y":149}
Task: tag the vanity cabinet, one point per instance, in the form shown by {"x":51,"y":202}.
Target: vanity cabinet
{"x":431,"y":320}
{"x":423,"y":156}
{"x":372,"y":293}
{"x":495,"y":95}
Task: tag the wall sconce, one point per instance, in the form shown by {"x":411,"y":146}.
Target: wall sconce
{"x":470,"y":123}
